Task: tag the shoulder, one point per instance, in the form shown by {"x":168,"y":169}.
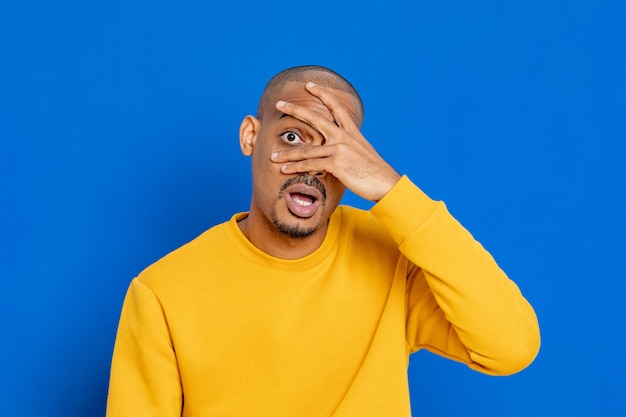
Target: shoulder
{"x":181,"y":262}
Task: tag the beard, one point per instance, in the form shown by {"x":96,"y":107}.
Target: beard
{"x":296,"y":231}
{"x":291,"y":230}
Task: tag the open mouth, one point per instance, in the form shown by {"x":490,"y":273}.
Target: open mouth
{"x":304,"y":195}
{"x":303,"y":201}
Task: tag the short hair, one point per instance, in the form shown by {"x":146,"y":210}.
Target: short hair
{"x":323,"y":76}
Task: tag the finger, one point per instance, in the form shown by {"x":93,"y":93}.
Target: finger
{"x":303,"y":153}
{"x":307,"y":165}
{"x":305,"y":159}
{"x":315,"y":119}
{"x":340,"y":113}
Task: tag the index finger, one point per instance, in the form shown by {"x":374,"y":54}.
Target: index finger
{"x":317,"y":120}
{"x":346,"y":107}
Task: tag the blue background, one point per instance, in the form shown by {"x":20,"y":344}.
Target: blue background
{"x":119,"y":142}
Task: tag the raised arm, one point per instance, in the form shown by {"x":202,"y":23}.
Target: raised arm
{"x":460,"y":304}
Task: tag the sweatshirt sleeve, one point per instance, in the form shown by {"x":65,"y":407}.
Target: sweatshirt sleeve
{"x":144,"y":373}
{"x":460,"y":304}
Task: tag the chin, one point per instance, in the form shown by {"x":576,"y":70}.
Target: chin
{"x":294,"y":230}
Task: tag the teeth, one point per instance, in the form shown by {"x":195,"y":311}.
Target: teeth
{"x":302,"y":202}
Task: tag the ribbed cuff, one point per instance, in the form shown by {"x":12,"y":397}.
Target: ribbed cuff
{"x":404,"y":209}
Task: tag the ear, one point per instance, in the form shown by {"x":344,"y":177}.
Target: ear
{"x":248,"y":132}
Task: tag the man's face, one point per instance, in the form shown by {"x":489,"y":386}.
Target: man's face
{"x":295,"y":206}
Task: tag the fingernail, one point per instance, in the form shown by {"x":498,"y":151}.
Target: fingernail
{"x":274,"y":155}
{"x":280,"y":104}
{"x":311,"y":84}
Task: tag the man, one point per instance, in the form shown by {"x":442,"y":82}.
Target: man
{"x":303,"y":308}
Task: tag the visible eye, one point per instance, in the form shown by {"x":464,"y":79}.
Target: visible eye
{"x":292,"y":138}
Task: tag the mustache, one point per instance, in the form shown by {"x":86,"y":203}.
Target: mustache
{"x":306,"y":180}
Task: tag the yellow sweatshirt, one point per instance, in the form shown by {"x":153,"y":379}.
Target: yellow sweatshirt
{"x":218,"y":328}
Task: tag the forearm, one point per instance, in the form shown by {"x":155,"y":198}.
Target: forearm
{"x":491,"y":320}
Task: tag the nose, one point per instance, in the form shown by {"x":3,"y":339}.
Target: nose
{"x":319,"y":140}
{"x":318,"y":174}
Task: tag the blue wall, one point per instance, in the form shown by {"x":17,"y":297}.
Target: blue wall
{"x":118,"y":143}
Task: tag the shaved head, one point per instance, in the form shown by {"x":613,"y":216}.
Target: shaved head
{"x":320,"y":75}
